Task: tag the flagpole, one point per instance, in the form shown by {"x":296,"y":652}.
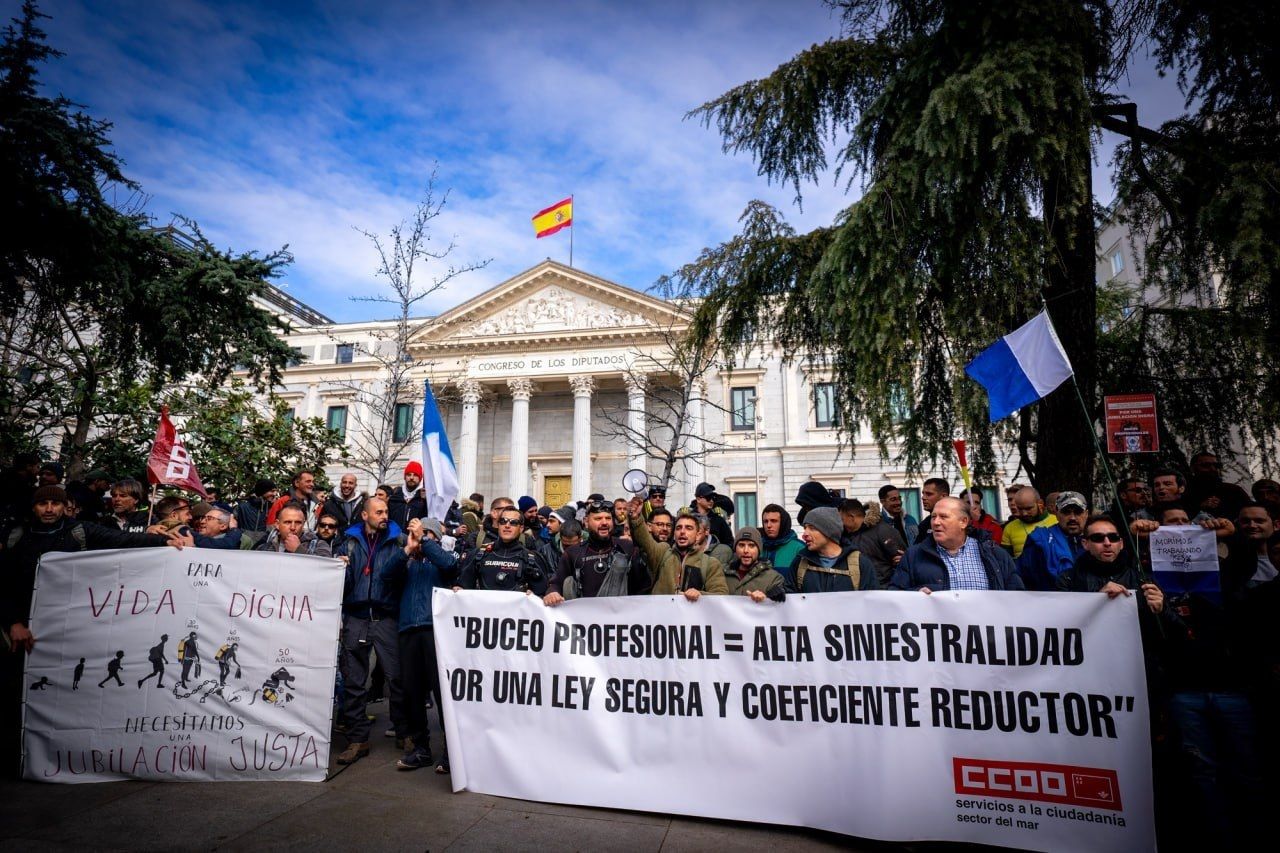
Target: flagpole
{"x":571,"y":232}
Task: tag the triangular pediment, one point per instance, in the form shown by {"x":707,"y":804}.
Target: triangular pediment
{"x":551,"y":302}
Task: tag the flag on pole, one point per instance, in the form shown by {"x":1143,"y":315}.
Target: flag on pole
{"x":961,"y":455}
{"x":439,"y":474}
{"x":1022,"y":367}
{"x":169,"y":463}
{"x":552,"y":219}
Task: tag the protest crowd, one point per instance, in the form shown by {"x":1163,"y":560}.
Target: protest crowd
{"x":1212,"y":655}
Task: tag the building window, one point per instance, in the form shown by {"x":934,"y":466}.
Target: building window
{"x":336,"y":420}
{"x":289,"y":415}
{"x":744,"y":509}
{"x":825,"y":412}
{"x":346,"y":352}
{"x":742,"y":401}
{"x":1117,"y":264}
{"x":404,"y":422}
{"x":899,"y":405}
{"x":296,"y":359}
{"x":911,"y":503}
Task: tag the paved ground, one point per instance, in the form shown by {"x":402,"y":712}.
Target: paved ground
{"x":369,"y":806}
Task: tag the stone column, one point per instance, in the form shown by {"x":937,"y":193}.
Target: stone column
{"x":521,"y":391}
{"x":637,"y":443}
{"x":694,"y":446}
{"x":581,"y":480}
{"x":469,"y":437}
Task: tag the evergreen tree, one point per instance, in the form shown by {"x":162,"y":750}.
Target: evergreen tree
{"x":971,"y":126}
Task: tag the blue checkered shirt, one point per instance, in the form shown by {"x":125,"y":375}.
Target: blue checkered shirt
{"x":965,"y":569}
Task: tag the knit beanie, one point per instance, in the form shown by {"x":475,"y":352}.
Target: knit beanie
{"x":748,"y":534}
{"x":526,"y":503}
{"x":414,"y":467}
{"x":57,"y":494}
{"x":826,"y":520}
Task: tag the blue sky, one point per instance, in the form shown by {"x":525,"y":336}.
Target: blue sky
{"x":298,"y":123}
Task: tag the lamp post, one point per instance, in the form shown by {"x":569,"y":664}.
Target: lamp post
{"x":756,"y":435}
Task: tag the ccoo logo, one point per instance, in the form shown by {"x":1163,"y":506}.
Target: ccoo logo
{"x":1091,"y":787}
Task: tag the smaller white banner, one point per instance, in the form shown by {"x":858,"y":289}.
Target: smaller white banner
{"x":159,"y":664}
{"x":1184,"y":548}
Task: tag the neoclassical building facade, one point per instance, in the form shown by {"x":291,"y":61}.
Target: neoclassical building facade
{"x":547,"y":379}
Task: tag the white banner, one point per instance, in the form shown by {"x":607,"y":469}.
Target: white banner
{"x":1014,"y":719}
{"x":193,"y":665}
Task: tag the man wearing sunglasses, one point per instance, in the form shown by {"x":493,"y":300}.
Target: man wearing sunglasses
{"x":601,"y":566}
{"x":1050,"y":551}
{"x":1105,"y":566}
{"x":505,"y":563}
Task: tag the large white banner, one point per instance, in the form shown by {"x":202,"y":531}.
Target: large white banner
{"x":192,"y":665}
{"x":1014,"y":719}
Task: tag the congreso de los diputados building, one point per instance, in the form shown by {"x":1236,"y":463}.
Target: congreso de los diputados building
{"x":556,"y":382}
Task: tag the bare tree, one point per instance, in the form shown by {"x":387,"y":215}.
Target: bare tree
{"x":667,"y":404}
{"x":402,"y":256}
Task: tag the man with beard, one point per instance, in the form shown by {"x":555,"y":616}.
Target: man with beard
{"x":376,"y":552}
{"x":661,"y":524}
{"x":552,"y":548}
{"x":1028,"y":513}
{"x":779,"y":542}
{"x":409,"y":501}
{"x":682,"y":565}
{"x":825,"y":565}
{"x":601,"y":566}
{"x":345,"y":503}
{"x":505,"y":563}
{"x":750,"y":575}
{"x":1050,"y":551}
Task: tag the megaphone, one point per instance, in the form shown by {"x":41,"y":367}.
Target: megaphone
{"x":636,"y":481}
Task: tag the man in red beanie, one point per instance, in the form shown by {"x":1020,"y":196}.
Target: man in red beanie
{"x":409,"y":501}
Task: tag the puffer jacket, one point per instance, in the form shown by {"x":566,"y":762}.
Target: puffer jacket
{"x":371,"y":587}
{"x":922,"y":566}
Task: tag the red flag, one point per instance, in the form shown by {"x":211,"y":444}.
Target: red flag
{"x":169,"y":464}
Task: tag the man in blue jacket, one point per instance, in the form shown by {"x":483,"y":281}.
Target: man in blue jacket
{"x":951,"y":559}
{"x":376,"y":553}
{"x":430,"y":566}
{"x":1050,"y":551}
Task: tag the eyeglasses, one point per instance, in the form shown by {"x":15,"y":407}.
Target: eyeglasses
{"x":1099,"y":538}
{"x":323,"y":526}
{"x":510,"y":522}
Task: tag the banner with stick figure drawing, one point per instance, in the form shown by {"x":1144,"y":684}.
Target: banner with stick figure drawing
{"x":193,"y":664}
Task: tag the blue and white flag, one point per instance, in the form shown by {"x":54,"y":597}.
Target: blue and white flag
{"x":439,"y":474}
{"x":1022,"y":367}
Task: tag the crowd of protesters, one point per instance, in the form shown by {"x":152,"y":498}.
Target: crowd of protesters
{"x":1213,"y":660}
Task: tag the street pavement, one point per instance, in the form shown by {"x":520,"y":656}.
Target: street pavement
{"x":367,"y":806}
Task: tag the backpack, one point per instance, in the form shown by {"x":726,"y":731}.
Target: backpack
{"x":182,"y":647}
{"x":221,"y":652}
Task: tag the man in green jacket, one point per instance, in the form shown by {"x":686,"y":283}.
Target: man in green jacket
{"x":680,"y":566}
{"x":749,"y":574}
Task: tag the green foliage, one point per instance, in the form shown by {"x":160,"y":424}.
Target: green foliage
{"x":971,"y":128}
{"x":958,"y":118}
{"x":92,"y":299}
{"x":1205,"y":194}
{"x":234,"y":442}
{"x":232,"y":437}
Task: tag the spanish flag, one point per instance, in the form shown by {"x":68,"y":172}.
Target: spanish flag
{"x":557,"y":216}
